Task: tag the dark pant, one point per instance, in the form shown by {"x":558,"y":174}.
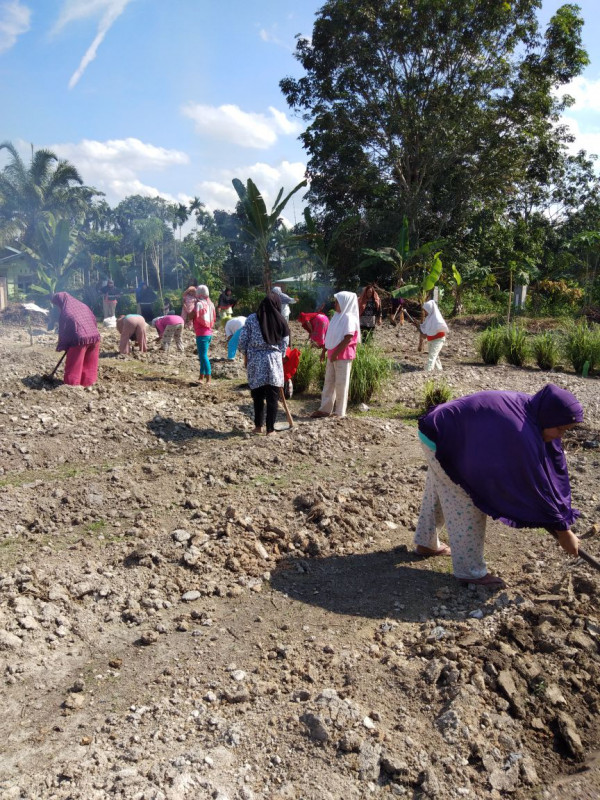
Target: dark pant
{"x":271,"y":395}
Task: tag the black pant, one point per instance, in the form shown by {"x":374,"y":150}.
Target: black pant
{"x":271,"y":395}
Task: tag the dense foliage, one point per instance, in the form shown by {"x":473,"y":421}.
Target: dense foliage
{"x":434,"y":143}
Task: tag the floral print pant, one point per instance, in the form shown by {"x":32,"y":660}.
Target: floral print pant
{"x":445,"y":501}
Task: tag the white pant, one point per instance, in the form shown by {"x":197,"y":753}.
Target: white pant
{"x":433,"y":354}
{"x":446,"y":501}
{"x":336,"y":386}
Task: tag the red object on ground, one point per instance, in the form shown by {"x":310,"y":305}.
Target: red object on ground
{"x":290,"y":363}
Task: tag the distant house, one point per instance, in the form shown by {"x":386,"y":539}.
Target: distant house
{"x":15,"y":274}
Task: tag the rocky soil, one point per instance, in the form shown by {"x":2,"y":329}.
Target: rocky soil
{"x":189,"y":611}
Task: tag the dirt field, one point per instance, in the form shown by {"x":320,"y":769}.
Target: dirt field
{"x":189,"y":611}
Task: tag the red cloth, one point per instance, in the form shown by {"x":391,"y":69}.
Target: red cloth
{"x":77,"y":324}
{"x":439,"y":335}
{"x":290,"y":363}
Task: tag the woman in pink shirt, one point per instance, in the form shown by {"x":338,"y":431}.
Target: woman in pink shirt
{"x":169,"y":327}
{"x":315,"y":325}
{"x":343,"y":334}
{"x":205,"y":317}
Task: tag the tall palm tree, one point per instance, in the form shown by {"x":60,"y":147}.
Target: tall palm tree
{"x":29,"y":193}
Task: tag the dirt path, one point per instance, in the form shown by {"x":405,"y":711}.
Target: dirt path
{"x":187,"y":611}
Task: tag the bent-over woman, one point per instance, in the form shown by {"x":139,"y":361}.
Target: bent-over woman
{"x":169,"y":327}
{"x":315,"y":324}
{"x":263,"y":341}
{"x":132,"y":327}
{"x":497,"y":454}
{"x":78,"y":334}
{"x":233,"y":331}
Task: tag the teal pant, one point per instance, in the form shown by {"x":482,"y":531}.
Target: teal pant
{"x":202,"y":345}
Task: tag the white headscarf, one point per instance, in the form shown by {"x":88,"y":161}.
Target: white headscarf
{"x":434,"y":322}
{"x":344,"y":321}
{"x":202,"y":291}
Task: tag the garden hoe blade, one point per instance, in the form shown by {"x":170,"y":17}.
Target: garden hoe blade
{"x":585,"y":556}
{"x":50,"y":378}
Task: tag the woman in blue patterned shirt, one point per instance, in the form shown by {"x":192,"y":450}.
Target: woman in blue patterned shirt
{"x":263,"y":341}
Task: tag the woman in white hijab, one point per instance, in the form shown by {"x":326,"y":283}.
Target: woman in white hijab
{"x":434,"y":329}
{"x":343,"y":334}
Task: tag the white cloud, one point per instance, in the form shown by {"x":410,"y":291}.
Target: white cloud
{"x":246,"y":129}
{"x":588,"y":140}
{"x":14,"y":21}
{"x":219,"y":192}
{"x":113,"y":166}
{"x":585,"y":92}
{"x":74,"y":10}
{"x":271,"y":37}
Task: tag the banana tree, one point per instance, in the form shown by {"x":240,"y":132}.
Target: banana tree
{"x":260,"y":224}
{"x":420,"y":290}
{"x":397,"y":256}
{"x":54,"y":255}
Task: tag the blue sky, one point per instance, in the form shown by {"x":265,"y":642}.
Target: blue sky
{"x":176,"y":97}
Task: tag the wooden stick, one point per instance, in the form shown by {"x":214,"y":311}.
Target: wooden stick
{"x":285,"y":407}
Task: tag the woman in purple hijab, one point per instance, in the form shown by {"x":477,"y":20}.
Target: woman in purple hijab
{"x":495,"y":454}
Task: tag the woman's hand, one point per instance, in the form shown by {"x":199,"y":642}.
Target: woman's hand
{"x":568,"y":541}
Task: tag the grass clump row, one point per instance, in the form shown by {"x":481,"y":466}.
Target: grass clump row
{"x":578,"y":345}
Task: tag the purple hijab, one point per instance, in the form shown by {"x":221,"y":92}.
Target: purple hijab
{"x":77,"y":324}
{"x":490,"y":443}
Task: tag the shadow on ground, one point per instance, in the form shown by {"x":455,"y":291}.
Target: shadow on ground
{"x":379,"y":585}
{"x":39,"y":382}
{"x":170,"y":430}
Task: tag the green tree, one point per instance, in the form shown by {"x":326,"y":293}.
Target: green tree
{"x":260,"y":224}
{"x":54,"y":255}
{"x":30,"y":193}
{"x":421,"y":108}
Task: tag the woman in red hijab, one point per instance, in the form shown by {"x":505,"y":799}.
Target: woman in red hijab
{"x":316,"y":326}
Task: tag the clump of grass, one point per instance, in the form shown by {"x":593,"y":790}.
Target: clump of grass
{"x":582,"y":344}
{"x":491,"y":345}
{"x":370,"y":371}
{"x":307,"y":369}
{"x":546,"y":350}
{"x":516,"y":348}
{"x":435,"y":393}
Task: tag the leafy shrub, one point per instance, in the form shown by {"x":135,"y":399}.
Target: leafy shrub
{"x":546,"y":350}
{"x":491,"y":345}
{"x":582,"y":344}
{"x":248,"y":300}
{"x":126,"y":304}
{"x":435,"y":393}
{"x":370,"y":371}
{"x":516,"y":348}
{"x":175,"y":299}
{"x":307,"y":301}
{"x":308,"y":368}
